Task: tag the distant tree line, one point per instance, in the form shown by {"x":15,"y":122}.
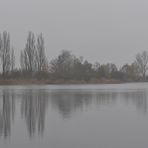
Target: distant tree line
{"x":66,"y":66}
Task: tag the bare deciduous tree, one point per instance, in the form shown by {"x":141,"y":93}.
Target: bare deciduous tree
{"x":1,"y":44}
{"x":142,"y":63}
{"x":28,"y":56}
{"x":5,"y":52}
{"x":22,"y":62}
{"x":12,"y":60}
{"x":40,"y":54}
{"x":62,"y":65}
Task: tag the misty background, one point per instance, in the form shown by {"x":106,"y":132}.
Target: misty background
{"x":104,"y":31}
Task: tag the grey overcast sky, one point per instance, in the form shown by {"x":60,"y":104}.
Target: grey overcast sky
{"x":99,"y":30}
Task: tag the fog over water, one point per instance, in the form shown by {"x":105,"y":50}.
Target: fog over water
{"x":104,"y":30}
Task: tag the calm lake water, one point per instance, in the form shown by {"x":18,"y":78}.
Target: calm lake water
{"x":74,"y":116}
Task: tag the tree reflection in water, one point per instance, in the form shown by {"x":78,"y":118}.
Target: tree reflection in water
{"x":137,"y":98}
{"x":33,"y":109}
{"x":34,"y":104}
{"x":67,"y":102}
{"x":7,"y":110}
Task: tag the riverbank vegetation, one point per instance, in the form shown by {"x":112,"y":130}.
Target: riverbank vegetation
{"x":36,"y":68}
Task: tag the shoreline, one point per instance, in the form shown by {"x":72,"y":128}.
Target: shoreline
{"x":55,"y":82}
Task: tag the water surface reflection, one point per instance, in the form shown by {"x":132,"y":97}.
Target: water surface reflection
{"x":34,"y":105}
